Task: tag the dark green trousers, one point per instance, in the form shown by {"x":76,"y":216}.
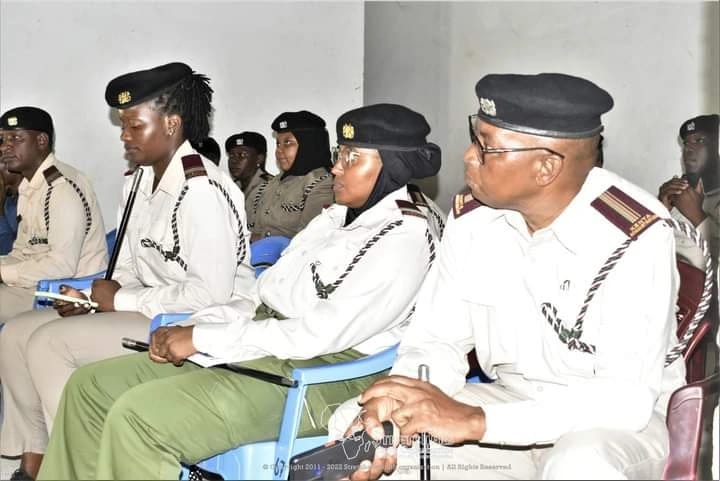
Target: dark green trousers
{"x":131,"y":418}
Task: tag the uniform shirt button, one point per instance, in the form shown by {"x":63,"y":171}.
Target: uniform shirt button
{"x":277,"y":193}
{"x":267,"y":211}
{"x":539,"y":389}
{"x":267,"y":234}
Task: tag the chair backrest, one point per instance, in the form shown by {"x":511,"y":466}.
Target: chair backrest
{"x":110,"y":239}
{"x":266,"y":251}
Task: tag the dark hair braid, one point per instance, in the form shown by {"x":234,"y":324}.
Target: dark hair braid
{"x":191,"y":99}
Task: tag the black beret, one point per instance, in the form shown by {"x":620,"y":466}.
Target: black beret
{"x":27,"y":118}
{"x":382,"y":126}
{"x":136,"y":87}
{"x":247,"y":139}
{"x":548,"y":104}
{"x":208,"y":148}
{"x":302,"y":120}
{"x":704,"y":123}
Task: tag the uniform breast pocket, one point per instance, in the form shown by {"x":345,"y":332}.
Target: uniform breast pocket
{"x":494,"y":328}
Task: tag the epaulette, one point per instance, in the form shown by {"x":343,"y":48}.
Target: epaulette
{"x":51,"y":174}
{"x":408,"y":208}
{"x":193,"y":166}
{"x":416,"y":195}
{"x":464,"y":202}
{"x":631,"y":217}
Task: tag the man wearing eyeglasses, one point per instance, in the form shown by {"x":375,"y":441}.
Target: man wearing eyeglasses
{"x":562,"y":277}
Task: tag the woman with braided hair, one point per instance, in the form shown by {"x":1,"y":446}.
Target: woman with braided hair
{"x":344,"y":288}
{"x":286,"y":203}
{"x":186,"y":247}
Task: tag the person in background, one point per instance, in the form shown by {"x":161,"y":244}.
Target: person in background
{"x":208,"y":148}
{"x":304,"y":186}
{"x":344,"y":288}
{"x":694,"y":198}
{"x":60,"y":226}
{"x":246,"y":153}
{"x":9,"y":183}
{"x":562,"y":277}
{"x":185,"y":248}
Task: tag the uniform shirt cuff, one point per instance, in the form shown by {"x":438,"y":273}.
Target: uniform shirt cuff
{"x":9,"y":274}
{"x":500,"y":423}
{"x":126,"y":299}
{"x":205,"y":336}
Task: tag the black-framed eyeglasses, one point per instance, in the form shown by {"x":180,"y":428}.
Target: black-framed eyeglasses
{"x":482,"y":150}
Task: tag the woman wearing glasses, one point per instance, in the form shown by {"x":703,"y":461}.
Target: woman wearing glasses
{"x":304,"y":186}
{"x":344,"y":288}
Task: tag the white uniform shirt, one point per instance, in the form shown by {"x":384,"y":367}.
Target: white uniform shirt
{"x":485,"y":291}
{"x":61,"y":234}
{"x":207,"y":227}
{"x":367,"y":309}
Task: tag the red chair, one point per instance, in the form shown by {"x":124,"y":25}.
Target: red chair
{"x":692,"y":406}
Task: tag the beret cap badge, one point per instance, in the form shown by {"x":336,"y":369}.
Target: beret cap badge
{"x":12,"y":121}
{"x":488,"y":107}
{"x":239,"y":141}
{"x":691,"y":126}
{"x":124,"y":97}
{"x":283,"y":124}
{"x":348,"y":131}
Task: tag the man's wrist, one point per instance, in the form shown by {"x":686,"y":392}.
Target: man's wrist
{"x":476,"y":423}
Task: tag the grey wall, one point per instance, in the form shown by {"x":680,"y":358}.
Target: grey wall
{"x":263,"y":58}
{"x":658,"y":60}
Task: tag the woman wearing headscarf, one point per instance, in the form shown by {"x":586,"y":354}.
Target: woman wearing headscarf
{"x":185,"y":248}
{"x":288,"y":202}
{"x":344,"y":288}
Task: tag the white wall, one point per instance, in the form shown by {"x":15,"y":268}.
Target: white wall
{"x":658,"y":60}
{"x":263,"y":58}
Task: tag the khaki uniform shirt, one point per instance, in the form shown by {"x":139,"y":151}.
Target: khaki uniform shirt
{"x":709,"y":228}
{"x":516,"y":298}
{"x":61,"y":231}
{"x":186,"y":245}
{"x":258,"y":182}
{"x":284,"y":207}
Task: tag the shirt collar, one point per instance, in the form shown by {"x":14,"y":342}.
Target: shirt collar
{"x":174,"y":176}
{"x":38,"y":178}
{"x":375,"y":215}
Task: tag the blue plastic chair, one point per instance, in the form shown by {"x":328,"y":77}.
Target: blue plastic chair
{"x":79,"y":283}
{"x":253,"y":461}
{"x":266,"y":251}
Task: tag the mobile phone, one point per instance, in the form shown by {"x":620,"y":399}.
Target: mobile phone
{"x":69,"y":299}
{"x":138,"y":346}
{"x":692,"y":178}
{"x":340,"y":458}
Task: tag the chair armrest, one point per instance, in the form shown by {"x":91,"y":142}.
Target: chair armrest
{"x":346,"y":370}
{"x":168,"y":318}
{"x":53,"y":285}
{"x":685,"y":414}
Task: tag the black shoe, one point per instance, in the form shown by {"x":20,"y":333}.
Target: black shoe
{"x":20,"y":475}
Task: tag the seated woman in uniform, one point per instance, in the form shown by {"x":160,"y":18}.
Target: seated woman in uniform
{"x":284,"y":205}
{"x":344,"y":288}
{"x":185,"y":248}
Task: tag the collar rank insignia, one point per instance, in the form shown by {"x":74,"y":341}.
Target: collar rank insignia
{"x":624,"y":212}
{"x":124,"y":97}
{"x":348,"y":131}
{"x":488,"y":107}
{"x":51,"y":174}
{"x":193,"y":166}
{"x":464,"y":202}
{"x":408,"y":208}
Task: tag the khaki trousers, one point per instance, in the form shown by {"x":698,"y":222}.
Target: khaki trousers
{"x":131,"y":418}
{"x":591,"y":454}
{"x":38,"y":353}
{"x":14,"y":300}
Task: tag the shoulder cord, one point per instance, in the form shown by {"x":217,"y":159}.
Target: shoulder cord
{"x":309,"y":188}
{"x":174,"y":254}
{"x":571,"y":337}
{"x":83,"y":199}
